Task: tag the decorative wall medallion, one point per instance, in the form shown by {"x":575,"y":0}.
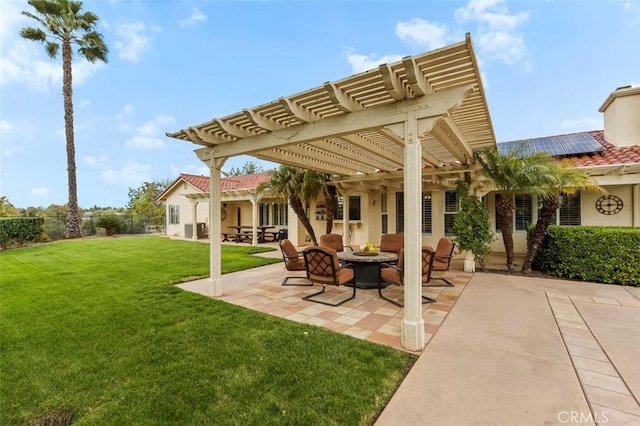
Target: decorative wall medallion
{"x":609,"y":204}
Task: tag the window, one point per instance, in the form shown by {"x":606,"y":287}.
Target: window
{"x":354,"y":208}
{"x":264,"y":213}
{"x":451,"y":209}
{"x":523,"y":216}
{"x":280,"y":214}
{"x":524,"y":212}
{"x":426,"y":212}
{"x":384,"y":213}
{"x":569,"y":211}
{"x":174,"y":215}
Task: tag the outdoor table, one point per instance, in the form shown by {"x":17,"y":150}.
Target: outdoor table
{"x":366,"y":265}
{"x":261,"y":229}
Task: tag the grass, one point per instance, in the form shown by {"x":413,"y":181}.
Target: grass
{"x":93,"y":332}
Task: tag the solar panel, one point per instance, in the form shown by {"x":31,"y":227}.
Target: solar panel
{"x":576,"y":143}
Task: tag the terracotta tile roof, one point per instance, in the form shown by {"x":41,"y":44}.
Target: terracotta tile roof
{"x":611,"y":156}
{"x":232,"y":183}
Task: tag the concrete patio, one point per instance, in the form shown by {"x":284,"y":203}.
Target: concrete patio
{"x":501,"y":350}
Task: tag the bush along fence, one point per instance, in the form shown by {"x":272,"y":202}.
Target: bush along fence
{"x":15,"y":231}
{"x":608,"y":255}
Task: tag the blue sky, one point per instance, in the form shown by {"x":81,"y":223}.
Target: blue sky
{"x":547,"y":66}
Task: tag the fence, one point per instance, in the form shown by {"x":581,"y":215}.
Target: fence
{"x":127,"y":223}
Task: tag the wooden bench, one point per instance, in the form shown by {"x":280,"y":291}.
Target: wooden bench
{"x":228,"y":237}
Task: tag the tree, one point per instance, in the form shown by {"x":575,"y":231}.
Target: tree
{"x":249,"y":168}
{"x":512,"y":174}
{"x":143,"y":201}
{"x":298,"y":186}
{"x":64,"y":24}
{"x":6,"y":208}
{"x":471,"y":226}
{"x":567,"y":181}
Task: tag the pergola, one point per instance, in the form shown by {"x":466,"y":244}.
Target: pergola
{"x":407,"y":124}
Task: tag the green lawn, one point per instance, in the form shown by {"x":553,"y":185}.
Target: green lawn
{"x":93,"y":331}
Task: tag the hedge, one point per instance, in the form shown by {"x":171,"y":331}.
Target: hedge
{"x":608,"y":255}
{"x":20,"y":230}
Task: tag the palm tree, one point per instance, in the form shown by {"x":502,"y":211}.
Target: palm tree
{"x":567,"y":181}
{"x":63,"y":24}
{"x":512,"y":174}
{"x":298,"y":186}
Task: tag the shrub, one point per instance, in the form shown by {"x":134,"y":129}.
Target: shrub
{"x":109,"y":222}
{"x":19,"y":230}
{"x":590,"y":253}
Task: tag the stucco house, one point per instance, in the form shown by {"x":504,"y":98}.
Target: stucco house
{"x":395,"y":139}
{"x":613,"y":159}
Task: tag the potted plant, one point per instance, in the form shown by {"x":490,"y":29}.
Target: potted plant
{"x":472,"y":229}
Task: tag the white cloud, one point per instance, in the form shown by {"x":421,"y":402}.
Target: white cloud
{"x":492,"y":13}
{"x":360,"y":63}
{"x":196,"y":16}
{"x":5,"y":126}
{"x":99,"y":162}
{"x":583,"y":123}
{"x":131,"y":174}
{"x":424,"y":34}
{"x":144,"y":142}
{"x":84,"y":103}
{"x":193,"y":169}
{"x":23,"y":61}
{"x":40,"y":190}
{"x":134,"y":40}
{"x":156,"y":125}
{"x":497,"y":36}
{"x":149,"y":135}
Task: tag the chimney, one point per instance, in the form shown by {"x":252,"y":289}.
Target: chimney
{"x":622,"y":116}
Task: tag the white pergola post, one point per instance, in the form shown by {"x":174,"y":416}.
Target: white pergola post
{"x":345,"y":218}
{"x":412,"y":324}
{"x":254,"y":219}
{"x":215,"y":246}
{"x":194,"y":220}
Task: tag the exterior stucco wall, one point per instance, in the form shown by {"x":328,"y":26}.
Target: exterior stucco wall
{"x":591,"y":216}
{"x":177,"y":197}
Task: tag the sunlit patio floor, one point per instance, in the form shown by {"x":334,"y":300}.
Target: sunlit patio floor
{"x":366,"y":317}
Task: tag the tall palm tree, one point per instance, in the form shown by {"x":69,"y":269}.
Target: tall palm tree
{"x":63,"y":24}
{"x":298,"y":186}
{"x":512,"y":174}
{"x":567,"y":181}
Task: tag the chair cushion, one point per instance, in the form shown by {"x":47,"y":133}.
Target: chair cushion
{"x":289,"y":250}
{"x":295,"y":264}
{"x":391,"y":275}
{"x":333,"y":241}
{"x":391,"y":242}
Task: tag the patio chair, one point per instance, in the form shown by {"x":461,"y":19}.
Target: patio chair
{"x":391,"y":242}
{"x":323,"y":267}
{"x":442,"y":262}
{"x":394,"y":274}
{"x":293,"y":261}
{"x":333,"y":241}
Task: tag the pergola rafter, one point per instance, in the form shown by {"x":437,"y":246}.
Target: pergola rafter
{"x":373,"y":130}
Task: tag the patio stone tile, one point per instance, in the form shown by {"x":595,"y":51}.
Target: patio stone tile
{"x":386,"y":311}
{"x":573,"y":324}
{"x":347,"y":319}
{"x":433,"y":320}
{"x":441,"y":306}
{"x":435,"y":313}
{"x":316,"y":321}
{"x":605,"y":301}
{"x":357,"y":313}
{"x":615,"y":417}
{"x":581,"y":298}
{"x":311,"y":310}
{"x":358,"y":332}
{"x":598,"y":366}
{"x":372,"y":322}
{"x":390,"y":329}
{"x":583,"y":342}
{"x":573,"y":331}
{"x":587,"y":352}
{"x":298,"y":317}
{"x":336,"y":326}
{"x":630,"y":302}
{"x":328,"y":315}
{"x":382,"y":338}
{"x":610,"y":399}
{"x":430,"y":328}
{"x":603,"y":381}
